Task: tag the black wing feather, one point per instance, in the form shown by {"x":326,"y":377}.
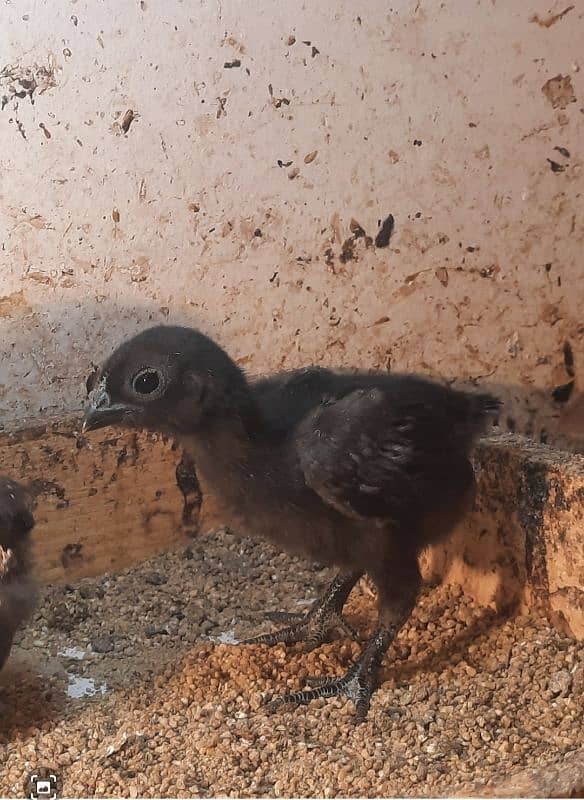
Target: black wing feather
{"x":387,"y":452}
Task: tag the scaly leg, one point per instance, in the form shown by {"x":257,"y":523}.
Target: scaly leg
{"x":398,"y":589}
{"x":314,"y":626}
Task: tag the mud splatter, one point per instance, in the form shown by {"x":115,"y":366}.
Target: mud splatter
{"x":551,"y":19}
{"x":14,"y":303}
{"x":559,"y":91}
{"x":18,"y":82}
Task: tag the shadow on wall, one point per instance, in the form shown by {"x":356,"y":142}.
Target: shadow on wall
{"x":50,"y":353}
{"x":544,"y":415}
{"x":521,"y":546}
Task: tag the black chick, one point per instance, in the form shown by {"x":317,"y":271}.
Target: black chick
{"x":17,"y":589}
{"x":356,"y":470}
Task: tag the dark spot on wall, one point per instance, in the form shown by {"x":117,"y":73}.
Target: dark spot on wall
{"x":190,"y":488}
{"x":442,"y":274}
{"x":221,"y":112}
{"x":563,"y":151}
{"x":39,"y":486}
{"x":554,"y":166}
{"x":277,"y":101}
{"x":561,"y":394}
{"x":417,"y":142}
{"x":71,"y":554}
{"x":347,"y":251}
{"x":569,"y":359}
{"x":127,"y":120}
{"x":232,"y":64}
{"x":385,"y":232}
{"x":19,"y":127}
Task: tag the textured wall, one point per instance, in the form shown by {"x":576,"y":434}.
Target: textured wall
{"x":228,"y":164}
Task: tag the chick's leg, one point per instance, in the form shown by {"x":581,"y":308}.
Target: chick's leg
{"x":314,"y":626}
{"x":398,"y":589}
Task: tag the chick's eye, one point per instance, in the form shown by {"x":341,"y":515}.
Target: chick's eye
{"x":146,"y":381}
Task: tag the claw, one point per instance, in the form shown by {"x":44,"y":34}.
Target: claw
{"x":356,"y":685}
{"x":294,"y":633}
{"x":312,"y":628}
{"x":316,"y":683}
{"x":283,"y":616}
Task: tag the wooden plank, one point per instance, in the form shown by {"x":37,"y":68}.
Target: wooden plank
{"x":111,"y":498}
{"x":103,"y":500}
{"x":522,"y":545}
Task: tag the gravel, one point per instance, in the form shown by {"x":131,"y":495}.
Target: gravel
{"x":130,"y":686}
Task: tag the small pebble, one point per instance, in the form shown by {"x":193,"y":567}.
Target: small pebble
{"x":105,"y":644}
{"x":155,"y":579}
{"x":460,"y":708}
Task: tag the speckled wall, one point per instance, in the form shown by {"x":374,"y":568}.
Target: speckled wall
{"x":231,"y":165}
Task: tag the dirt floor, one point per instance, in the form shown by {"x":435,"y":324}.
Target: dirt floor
{"x":131,"y":685}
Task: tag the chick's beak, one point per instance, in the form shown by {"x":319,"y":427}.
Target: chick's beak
{"x":100,"y":412}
